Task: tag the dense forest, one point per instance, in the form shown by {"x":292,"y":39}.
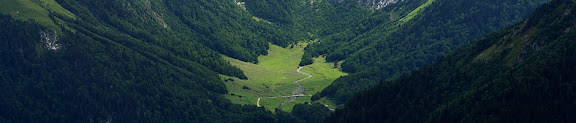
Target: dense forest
{"x":163,"y":60}
{"x":337,"y":31}
{"x":130,"y":60}
{"x":97,"y":79}
{"x":442,"y":27}
{"x":524,"y":73}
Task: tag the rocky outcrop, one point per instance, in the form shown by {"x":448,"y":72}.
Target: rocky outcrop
{"x":376,"y":4}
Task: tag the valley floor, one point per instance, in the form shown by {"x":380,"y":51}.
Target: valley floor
{"x":276,"y":77}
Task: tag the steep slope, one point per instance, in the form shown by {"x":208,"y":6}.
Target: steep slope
{"x":218,"y":24}
{"x":384,"y":53}
{"x":127,"y":60}
{"x":100,"y":60}
{"x":524,"y":73}
{"x":375,"y":4}
{"x":335,"y":25}
{"x":314,"y":19}
{"x":34,"y":10}
{"x":279,"y":11}
{"x":161,"y":60}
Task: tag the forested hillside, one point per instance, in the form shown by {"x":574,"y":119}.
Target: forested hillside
{"x":524,"y":73}
{"x":218,"y":24}
{"x":320,"y":19}
{"x":128,"y":60}
{"x":97,"y":79}
{"x":383,"y":53}
{"x":171,"y":60}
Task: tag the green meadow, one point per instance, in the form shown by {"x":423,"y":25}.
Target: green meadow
{"x":36,"y":10}
{"x":416,"y":11}
{"x":274,"y":76}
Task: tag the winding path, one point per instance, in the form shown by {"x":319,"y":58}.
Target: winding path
{"x":258,"y":103}
{"x":298,"y":92}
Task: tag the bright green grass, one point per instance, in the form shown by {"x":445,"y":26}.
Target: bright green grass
{"x":260,"y":19}
{"x":323,"y":74}
{"x":271,"y":103}
{"x":416,"y":11}
{"x":274,"y":76}
{"x":36,"y":10}
{"x":54,"y":7}
{"x":279,"y":66}
{"x":26,"y":10}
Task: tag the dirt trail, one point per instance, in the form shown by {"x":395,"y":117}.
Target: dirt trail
{"x":258,"y":103}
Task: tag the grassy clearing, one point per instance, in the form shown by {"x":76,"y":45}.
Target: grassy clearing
{"x":274,"y":76}
{"x":323,"y":74}
{"x":260,"y":19}
{"x":416,"y":11}
{"x":278,"y":67}
{"x":54,"y":7}
{"x":26,"y":10}
{"x":36,"y":10}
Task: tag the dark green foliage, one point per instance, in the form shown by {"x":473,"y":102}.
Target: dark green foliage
{"x":311,"y":113}
{"x":229,"y":79}
{"x":342,"y":37}
{"x":306,"y":60}
{"x":335,"y":24}
{"x":222,"y":32}
{"x":285,"y":117}
{"x":160,"y":60}
{"x":381,"y":55}
{"x":144,"y":28}
{"x":120,"y":62}
{"x":335,"y":65}
{"x":94,"y":78}
{"x":218,"y":24}
{"x":246,"y":88}
{"x":482,"y":83}
{"x":272,"y":10}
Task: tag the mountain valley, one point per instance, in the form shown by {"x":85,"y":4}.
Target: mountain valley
{"x":287,"y":61}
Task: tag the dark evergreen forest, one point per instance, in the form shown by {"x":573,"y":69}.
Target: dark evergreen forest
{"x":443,"y":27}
{"x":162,"y":60}
{"x":524,"y":73}
{"x":131,"y":61}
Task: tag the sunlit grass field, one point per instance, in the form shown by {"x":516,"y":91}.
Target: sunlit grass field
{"x":274,"y":76}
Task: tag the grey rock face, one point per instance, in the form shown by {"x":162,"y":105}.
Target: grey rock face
{"x":376,"y":4}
